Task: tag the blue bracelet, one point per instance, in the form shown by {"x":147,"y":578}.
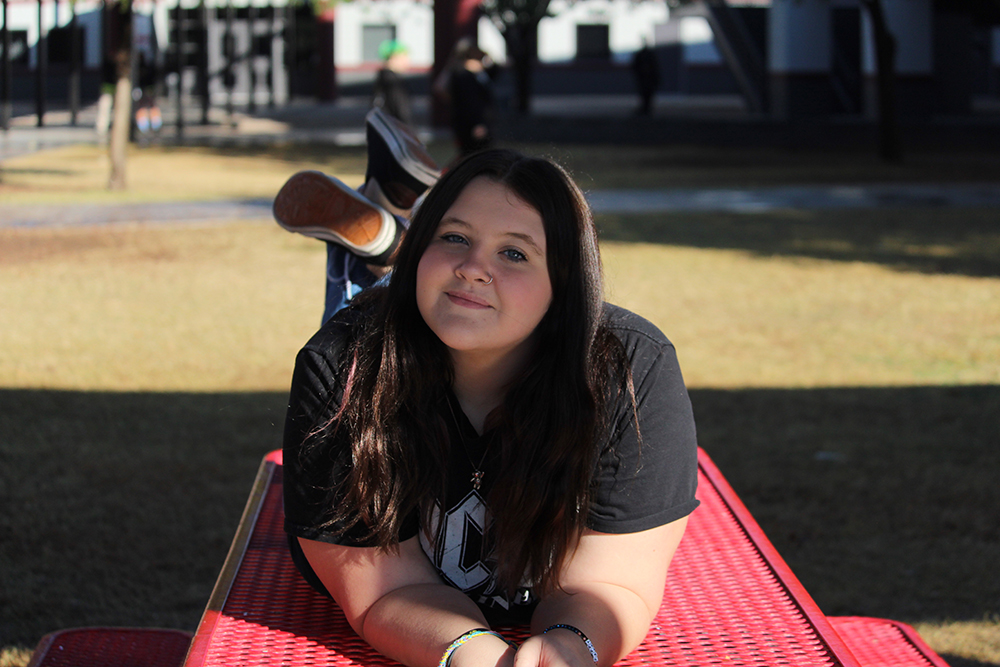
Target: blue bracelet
{"x":586,"y":640}
{"x":465,"y":637}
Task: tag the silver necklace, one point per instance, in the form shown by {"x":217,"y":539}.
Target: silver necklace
{"x":477,"y":470}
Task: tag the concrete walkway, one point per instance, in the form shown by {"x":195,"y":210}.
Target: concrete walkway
{"x":754,"y":200}
{"x":339,"y":123}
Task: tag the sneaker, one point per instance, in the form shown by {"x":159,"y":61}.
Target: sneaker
{"x":317,"y":205}
{"x":397,"y":161}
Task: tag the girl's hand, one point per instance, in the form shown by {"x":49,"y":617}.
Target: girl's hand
{"x":611,"y":589}
{"x":558,"y":648}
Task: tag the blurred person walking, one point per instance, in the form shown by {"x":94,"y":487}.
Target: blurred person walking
{"x":391,"y":92}
{"x":467,"y":84}
{"x":647,"y":77}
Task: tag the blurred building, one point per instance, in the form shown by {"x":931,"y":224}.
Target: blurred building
{"x":785,"y":59}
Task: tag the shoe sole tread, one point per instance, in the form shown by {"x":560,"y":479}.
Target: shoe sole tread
{"x":310,"y":202}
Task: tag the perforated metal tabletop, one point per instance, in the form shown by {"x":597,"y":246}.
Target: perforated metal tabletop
{"x":729,"y":599}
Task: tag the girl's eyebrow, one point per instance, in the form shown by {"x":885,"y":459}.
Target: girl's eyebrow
{"x":526,"y":238}
{"x":454,"y":222}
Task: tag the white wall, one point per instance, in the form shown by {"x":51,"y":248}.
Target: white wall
{"x":24,"y":16}
{"x":414,"y":27}
{"x":629,"y":23}
{"x":491,"y":41}
{"x":698,"y":43}
{"x":635,"y":25}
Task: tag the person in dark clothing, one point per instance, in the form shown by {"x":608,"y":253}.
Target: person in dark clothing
{"x":391,"y":92}
{"x":647,"y":77}
{"x":147,"y":115}
{"x":470,"y":89}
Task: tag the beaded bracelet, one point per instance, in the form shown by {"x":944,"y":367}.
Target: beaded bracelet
{"x":586,"y":640}
{"x":465,"y":637}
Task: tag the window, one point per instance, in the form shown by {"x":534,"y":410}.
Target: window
{"x":18,"y":47}
{"x":592,"y":41}
{"x":371,"y":37}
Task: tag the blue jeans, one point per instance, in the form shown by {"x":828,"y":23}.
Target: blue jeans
{"x":346,"y":276}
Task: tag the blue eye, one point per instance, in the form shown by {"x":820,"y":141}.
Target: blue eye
{"x":450,"y":237}
{"x":515,"y":255}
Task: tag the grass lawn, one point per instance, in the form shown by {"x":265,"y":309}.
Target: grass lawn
{"x":844,"y":369}
{"x":78,"y":174}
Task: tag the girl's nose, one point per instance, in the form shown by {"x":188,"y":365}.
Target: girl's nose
{"x":474,"y":269}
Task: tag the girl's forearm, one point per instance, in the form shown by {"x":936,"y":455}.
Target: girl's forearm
{"x":415,"y":624}
{"x":613,"y":618}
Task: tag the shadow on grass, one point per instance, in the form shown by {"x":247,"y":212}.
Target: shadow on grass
{"x":121,"y":506}
{"x":882,"y":500}
{"x":949,"y":240}
{"x":955,"y":661}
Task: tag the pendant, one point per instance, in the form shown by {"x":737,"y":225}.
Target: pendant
{"x":477,"y":479}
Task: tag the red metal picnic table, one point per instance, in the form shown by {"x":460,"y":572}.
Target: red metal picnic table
{"x":730,"y":599}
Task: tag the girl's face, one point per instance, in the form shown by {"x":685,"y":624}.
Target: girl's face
{"x":483,"y":282}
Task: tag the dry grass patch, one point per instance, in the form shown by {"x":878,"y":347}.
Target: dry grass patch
{"x":75,"y":174}
{"x":741,"y":320}
{"x":225,"y":306}
{"x":178,"y":307}
{"x":163,"y":173}
{"x":970,"y":640}
{"x":13,"y":656}
{"x":931,"y":240}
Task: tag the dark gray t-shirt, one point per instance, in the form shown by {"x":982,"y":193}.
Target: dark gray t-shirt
{"x":635,"y":488}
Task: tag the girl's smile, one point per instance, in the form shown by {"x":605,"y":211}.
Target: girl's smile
{"x":467,"y":300}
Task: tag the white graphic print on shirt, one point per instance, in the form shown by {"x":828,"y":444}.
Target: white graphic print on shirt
{"x":458,"y":547}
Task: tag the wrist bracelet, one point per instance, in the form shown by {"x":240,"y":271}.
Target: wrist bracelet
{"x":586,"y":640}
{"x":465,"y":637}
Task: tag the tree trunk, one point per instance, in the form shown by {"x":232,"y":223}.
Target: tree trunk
{"x":890,"y":142}
{"x":122,"y":122}
{"x":522,"y":77}
{"x":523,"y":47}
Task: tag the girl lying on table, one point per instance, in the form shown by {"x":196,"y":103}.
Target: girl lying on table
{"x":478,"y":440}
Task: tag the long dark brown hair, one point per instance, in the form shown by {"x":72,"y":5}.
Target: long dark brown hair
{"x":553,"y":420}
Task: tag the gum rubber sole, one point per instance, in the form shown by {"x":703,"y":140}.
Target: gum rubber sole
{"x":316,"y":205}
